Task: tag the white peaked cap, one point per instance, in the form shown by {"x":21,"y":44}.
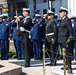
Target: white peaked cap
{"x":44,"y":15}
{"x":0,"y":15}
{"x":26,"y":9}
{"x":37,"y":15}
{"x":63,"y":9}
{"x":73,"y":16}
{"x":56,"y":14}
{"x":49,"y":11}
{"x":4,"y":14}
{"x":19,"y":16}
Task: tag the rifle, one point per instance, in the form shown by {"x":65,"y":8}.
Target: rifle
{"x":18,"y":25}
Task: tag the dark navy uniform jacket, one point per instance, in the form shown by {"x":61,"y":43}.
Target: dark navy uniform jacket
{"x":0,"y":22}
{"x":51,"y":27}
{"x":65,"y":30}
{"x":0,"y":41}
{"x":15,"y":32}
{"x":36,"y":31}
{"x":5,"y":30}
{"x":74,"y":31}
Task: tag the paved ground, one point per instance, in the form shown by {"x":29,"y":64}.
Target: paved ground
{"x":37,"y":67}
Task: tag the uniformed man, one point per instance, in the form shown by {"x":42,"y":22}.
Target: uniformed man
{"x":17,"y":39}
{"x":37,"y":37}
{"x":26,"y":24}
{"x":65,"y":36}
{"x":51,"y":32}
{"x":57,"y":23}
{"x":73,"y":43}
{"x":0,"y":19}
{"x":4,"y":37}
{"x":0,"y":24}
{"x":56,"y":17}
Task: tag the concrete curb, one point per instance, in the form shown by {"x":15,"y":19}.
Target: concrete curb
{"x":10,"y":69}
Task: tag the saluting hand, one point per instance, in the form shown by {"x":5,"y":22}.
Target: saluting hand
{"x":9,"y":39}
{"x":53,"y":41}
{"x":68,"y":40}
{"x":18,"y":18}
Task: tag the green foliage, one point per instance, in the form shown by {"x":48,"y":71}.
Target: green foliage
{"x":12,"y":54}
{"x":0,"y":54}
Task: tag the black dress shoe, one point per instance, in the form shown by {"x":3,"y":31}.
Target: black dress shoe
{"x":38,"y":58}
{"x":51,"y":64}
{"x":27,"y":65}
{"x":2,"y":58}
{"x":41,"y":58}
{"x":69,"y":71}
{"x":6,"y":58}
{"x":19,"y":59}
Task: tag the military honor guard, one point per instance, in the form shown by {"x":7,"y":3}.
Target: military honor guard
{"x":25,"y":27}
{"x":17,"y":39}
{"x":51,"y":33}
{"x":65,"y":36}
{"x":4,"y":37}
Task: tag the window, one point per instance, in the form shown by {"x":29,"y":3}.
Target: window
{"x":44,"y":11}
{"x":53,"y":9}
{"x":34,"y":2}
{"x":38,"y":11}
{"x":44,"y":0}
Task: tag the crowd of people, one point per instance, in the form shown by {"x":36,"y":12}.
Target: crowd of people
{"x":47,"y":30}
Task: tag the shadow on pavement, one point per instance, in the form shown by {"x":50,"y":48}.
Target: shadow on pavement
{"x":1,"y":66}
{"x":24,"y":73}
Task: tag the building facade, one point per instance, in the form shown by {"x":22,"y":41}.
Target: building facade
{"x":9,"y":7}
{"x":41,"y":6}
{"x":37,"y":6}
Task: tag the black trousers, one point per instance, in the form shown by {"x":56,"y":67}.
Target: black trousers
{"x":52,"y":52}
{"x":68,"y":53}
{"x":26,"y":46}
